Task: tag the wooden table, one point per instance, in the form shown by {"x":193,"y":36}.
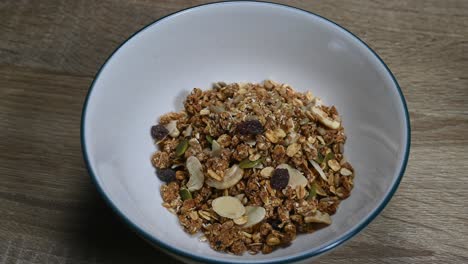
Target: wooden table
{"x":50,"y":50}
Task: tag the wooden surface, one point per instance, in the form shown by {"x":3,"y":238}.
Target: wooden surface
{"x":50,"y":50}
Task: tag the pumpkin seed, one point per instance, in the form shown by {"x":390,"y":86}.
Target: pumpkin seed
{"x":312,"y":192}
{"x":248,"y":164}
{"x":209,"y":139}
{"x":185,"y":194}
{"x":181,"y":148}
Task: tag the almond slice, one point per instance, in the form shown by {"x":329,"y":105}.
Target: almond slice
{"x":196,"y":174}
{"x":255,"y":214}
{"x":324,"y":119}
{"x":231,"y":177}
{"x":295,"y":177}
{"x":228,"y":206}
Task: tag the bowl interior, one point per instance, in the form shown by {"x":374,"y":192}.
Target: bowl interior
{"x":153,"y":71}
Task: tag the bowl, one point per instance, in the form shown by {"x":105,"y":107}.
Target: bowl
{"x":153,"y":70}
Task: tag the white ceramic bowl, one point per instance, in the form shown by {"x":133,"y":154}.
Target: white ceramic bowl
{"x":153,"y":71}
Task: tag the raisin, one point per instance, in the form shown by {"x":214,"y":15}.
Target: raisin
{"x":166,"y":175}
{"x":159,"y":132}
{"x":274,"y":223}
{"x":250,"y":127}
{"x":279,"y":179}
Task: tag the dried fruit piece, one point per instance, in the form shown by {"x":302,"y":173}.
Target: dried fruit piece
{"x":159,"y":132}
{"x":250,"y":127}
{"x":197,"y":178}
{"x":231,"y":177}
{"x":279,"y":179}
{"x":255,"y":214}
{"x":296,"y":178}
{"x":166,"y":175}
{"x":185,"y":194}
{"x":248,"y":164}
{"x":181,"y":148}
{"x":318,"y":217}
{"x":229,"y":207}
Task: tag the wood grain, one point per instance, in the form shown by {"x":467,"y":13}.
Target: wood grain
{"x":50,"y":50}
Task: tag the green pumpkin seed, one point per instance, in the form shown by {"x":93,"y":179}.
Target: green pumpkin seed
{"x":248,"y":164}
{"x":185,"y":194}
{"x":181,"y":148}
{"x":209,"y":139}
{"x":312,"y":192}
{"x":319,"y":158}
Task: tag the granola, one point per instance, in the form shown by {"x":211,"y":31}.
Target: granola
{"x":252,"y":165}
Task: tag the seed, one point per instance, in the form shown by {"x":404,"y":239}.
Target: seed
{"x":250,"y":127}
{"x":185,"y":194}
{"x":159,"y":132}
{"x":312,"y":192}
{"x":209,"y":139}
{"x":181,"y":148}
{"x":248,"y":164}
{"x":279,"y":179}
{"x":166,"y":175}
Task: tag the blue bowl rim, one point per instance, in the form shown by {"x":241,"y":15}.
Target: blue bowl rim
{"x":306,"y":255}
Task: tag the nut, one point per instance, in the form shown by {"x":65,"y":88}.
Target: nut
{"x":255,"y":214}
{"x":334,"y":165}
{"x":231,"y":177}
{"x":295,"y":177}
{"x":293,"y":149}
{"x":272,"y":240}
{"x":197,"y":178}
{"x":345,"y":172}
{"x":228,"y":206}
{"x":267,"y":172}
{"x":318,"y":217}
{"x":324,"y":119}
{"x":213,"y":175}
{"x":205,"y":111}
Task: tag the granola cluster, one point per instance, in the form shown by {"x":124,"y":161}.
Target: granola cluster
{"x":252,"y":165}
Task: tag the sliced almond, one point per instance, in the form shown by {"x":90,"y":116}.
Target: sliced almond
{"x":318,"y":217}
{"x":231,"y":177}
{"x":188,"y":131}
{"x":255,"y":214}
{"x":324,"y":119}
{"x":319,"y":170}
{"x":197,"y":178}
{"x":228,"y":206}
{"x":295,"y":177}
